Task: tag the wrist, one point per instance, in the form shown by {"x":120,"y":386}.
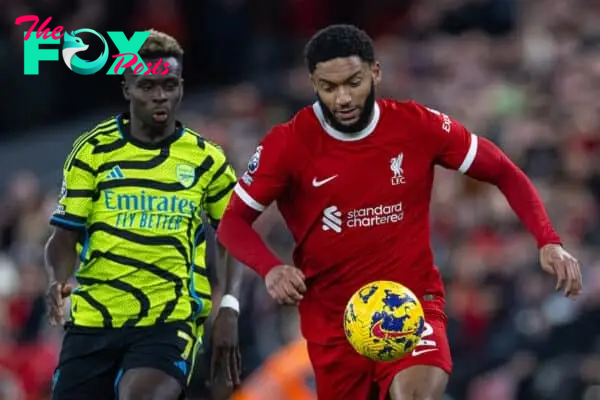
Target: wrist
{"x":230,"y":301}
{"x":555,"y":242}
{"x":264,"y":269}
{"x":59,"y":281}
{"x":57,"y":275}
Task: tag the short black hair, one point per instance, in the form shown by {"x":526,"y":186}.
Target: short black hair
{"x":338,"y":41}
{"x":160,"y":45}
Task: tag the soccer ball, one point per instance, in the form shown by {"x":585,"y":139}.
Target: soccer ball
{"x":384,"y":320}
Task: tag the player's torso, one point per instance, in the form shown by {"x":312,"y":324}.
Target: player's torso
{"x":145,"y":233}
{"x":143,"y":191}
{"x":366,"y":202}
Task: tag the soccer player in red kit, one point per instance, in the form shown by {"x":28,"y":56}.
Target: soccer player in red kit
{"x":352,"y":177}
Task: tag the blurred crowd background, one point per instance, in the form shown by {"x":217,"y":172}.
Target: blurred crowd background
{"x":524,"y":73}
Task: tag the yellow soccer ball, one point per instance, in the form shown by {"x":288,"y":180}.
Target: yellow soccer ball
{"x":384,"y":320}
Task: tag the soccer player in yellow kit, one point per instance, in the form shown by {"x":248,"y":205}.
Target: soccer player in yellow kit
{"x":134,"y":191}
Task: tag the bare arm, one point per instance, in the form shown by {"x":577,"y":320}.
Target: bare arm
{"x":229,"y":272}
{"x":75,"y":204}
{"x":219,"y":191}
{"x":61,"y":260}
{"x":61,"y":254}
{"x":226,"y":361}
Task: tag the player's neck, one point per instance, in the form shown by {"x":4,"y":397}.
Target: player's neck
{"x":366,"y":118}
{"x":361,"y":130}
{"x":148,"y":134}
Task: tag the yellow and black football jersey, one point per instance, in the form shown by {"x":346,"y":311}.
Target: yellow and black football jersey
{"x":138,"y":207}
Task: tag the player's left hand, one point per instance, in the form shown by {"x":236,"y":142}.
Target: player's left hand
{"x":555,"y":260}
{"x":226,"y":361}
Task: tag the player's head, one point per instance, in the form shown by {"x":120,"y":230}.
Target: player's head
{"x":155,"y":97}
{"x":344,"y":73}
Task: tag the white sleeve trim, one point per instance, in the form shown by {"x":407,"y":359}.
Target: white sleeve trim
{"x":470,"y":157}
{"x":250,"y":202}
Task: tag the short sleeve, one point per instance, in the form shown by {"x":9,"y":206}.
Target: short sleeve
{"x":77,"y":191}
{"x":219,"y":191}
{"x":268,"y":172}
{"x":454,"y":146}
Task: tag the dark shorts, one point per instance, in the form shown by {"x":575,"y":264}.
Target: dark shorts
{"x":92,"y":360}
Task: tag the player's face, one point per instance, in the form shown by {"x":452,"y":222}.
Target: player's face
{"x":345,"y":88}
{"x":155,"y":97}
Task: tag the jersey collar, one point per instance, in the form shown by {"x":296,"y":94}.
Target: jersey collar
{"x":125,"y":131}
{"x":334,"y":133}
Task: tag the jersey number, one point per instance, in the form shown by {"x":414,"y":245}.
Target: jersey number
{"x":189,"y":344}
{"x":427,"y":332}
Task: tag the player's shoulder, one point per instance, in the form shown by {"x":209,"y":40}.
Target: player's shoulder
{"x":295,"y":131}
{"x":416,"y":116}
{"x":409,"y":110}
{"x":278,"y":136}
{"x":104,"y":132}
{"x":204,"y":145}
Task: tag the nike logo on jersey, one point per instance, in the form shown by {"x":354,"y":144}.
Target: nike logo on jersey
{"x":419,"y":352}
{"x":317,"y":183}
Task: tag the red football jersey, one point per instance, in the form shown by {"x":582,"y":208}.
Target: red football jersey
{"x":357,"y":206}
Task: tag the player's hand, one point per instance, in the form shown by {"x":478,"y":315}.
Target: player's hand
{"x":226,"y":360}
{"x":557,"y":261}
{"x":285,"y":284}
{"x":55,"y":300}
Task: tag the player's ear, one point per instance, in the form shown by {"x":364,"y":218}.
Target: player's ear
{"x":376,"y":71}
{"x":314,"y":82}
{"x":125,"y":89}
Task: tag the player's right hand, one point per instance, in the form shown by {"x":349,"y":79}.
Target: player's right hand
{"x":55,"y":296}
{"x":285,"y":284}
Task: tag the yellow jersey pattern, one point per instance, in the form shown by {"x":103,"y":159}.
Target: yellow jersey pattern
{"x":138,"y":208}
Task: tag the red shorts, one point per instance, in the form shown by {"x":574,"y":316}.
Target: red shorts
{"x":343,"y":374}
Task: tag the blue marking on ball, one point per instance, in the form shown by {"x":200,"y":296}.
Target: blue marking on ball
{"x":393,"y":300}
